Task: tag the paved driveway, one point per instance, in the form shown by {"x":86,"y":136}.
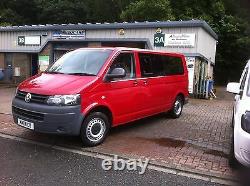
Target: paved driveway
{"x":199,"y":141}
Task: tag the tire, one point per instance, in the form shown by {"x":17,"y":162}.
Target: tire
{"x":95,"y":129}
{"x":177,"y":107}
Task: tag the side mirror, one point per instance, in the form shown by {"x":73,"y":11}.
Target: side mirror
{"x":233,"y":88}
{"x":116,"y":73}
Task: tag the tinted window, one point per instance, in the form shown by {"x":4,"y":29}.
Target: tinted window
{"x":80,"y":62}
{"x":243,"y":81}
{"x":151,"y":65}
{"x":160,"y":65}
{"x":172,"y":65}
{"x":127,"y":62}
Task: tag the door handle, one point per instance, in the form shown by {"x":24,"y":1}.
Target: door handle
{"x":135,"y":83}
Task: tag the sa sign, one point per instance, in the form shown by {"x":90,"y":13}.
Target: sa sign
{"x":159,"y":40}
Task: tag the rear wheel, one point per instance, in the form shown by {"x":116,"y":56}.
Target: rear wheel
{"x":95,"y":129}
{"x":177,"y":107}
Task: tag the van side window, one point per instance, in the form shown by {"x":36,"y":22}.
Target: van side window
{"x":243,"y":81}
{"x":153,"y":65}
{"x":127,"y":62}
{"x":172,"y":65}
{"x":150,"y":65}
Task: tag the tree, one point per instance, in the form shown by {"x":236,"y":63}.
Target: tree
{"x":14,"y":12}
{"x":61,"y":11}
{"x":148,"y":10}
{"x":229,"y":20}
{"x":105,"y":10}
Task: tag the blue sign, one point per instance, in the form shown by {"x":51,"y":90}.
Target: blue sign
{"x":69,"y":34}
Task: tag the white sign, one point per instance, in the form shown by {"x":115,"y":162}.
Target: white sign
{"x":32,"y":40}
{"x":17,"y":71}
{"x":29,"y":40}
{"x":190,"y":66}
{"x":182,"y":40}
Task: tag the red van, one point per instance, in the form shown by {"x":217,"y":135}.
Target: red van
{"x":90,"y":90}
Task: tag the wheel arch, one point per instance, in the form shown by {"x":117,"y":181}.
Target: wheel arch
{"x":101,"y":108}
{"x":180,"y":94}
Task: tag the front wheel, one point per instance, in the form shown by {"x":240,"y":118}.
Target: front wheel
{"x":95,"y":129}
{"x":177,"y":107}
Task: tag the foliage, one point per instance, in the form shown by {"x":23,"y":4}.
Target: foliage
{"x":106,"y":10}
{"x":61,"y":11}
{"x":148,"y":10}
{"x":14,"y":12}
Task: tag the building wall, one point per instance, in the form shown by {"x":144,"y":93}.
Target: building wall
{"x":144,"y":34}
{"x":205,"y":43}
{"x":9,"y":42}
{"x":94,"y":44}
{"x":2,"y":61}
{"x":21,"y":61}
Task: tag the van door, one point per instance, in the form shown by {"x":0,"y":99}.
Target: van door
{"x":152,"y":83}
{"x":122,"y":94}
{"x":175,"y":79}
{"x":162,"y":76}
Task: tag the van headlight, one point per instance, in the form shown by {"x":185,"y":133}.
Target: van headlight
{"x":245,"y":122}
{"x":64,"y":100}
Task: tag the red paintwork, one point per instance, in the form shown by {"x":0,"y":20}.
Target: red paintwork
{"x":127,"y":100}
{"x":55,"y":84}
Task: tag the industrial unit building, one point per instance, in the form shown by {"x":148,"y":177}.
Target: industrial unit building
{"x":27,"y":50}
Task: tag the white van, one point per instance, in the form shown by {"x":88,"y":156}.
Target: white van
{"x":241,"y":117}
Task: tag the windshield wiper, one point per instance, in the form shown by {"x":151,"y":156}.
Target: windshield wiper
{"x":82,"y":74}
{"x":54,"y":72}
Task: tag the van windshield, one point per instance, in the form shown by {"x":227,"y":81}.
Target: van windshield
{"x":80,"y":62}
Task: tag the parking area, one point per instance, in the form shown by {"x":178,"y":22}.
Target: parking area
{"x":6,"y":94}
{"x":199,"y":141}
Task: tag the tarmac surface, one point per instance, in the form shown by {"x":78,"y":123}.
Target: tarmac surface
{"x":27,"y":164}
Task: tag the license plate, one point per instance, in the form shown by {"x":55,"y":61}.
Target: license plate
{"x":25,"y":124}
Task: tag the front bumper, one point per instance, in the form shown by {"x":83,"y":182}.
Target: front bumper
{"x":49,"y":119}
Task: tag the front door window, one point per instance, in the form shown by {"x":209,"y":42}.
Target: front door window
{"x":127,"y":62}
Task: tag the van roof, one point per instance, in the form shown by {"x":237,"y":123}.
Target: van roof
{"x":132,"y":49}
